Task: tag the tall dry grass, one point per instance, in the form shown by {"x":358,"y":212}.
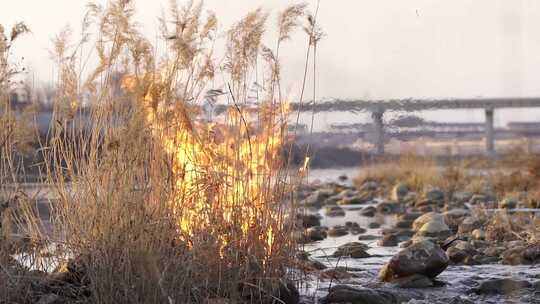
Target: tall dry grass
{"x":156,"y":204}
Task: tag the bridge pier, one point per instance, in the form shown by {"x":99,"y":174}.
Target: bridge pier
{"x":490,"y":132}
{"x":378,"y":126}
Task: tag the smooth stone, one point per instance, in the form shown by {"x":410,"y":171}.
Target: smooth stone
{"x":424,"y":257}
{"x":388,"y":207}
{"x":428,"y":217}
{"x":355,"y":250}
{"x":434,"y":229}
{"x":338,"y":231}
{"x":368,"y":211}
{"x":368,"y":237}
{"x":389,"y":240}
{"x":501,"y":286}
{"x":374,"y":225}
{"x":348,"y":294}
{"x":309,"y":220}
{"x":334,"y":211}
{"x":413,"y":281}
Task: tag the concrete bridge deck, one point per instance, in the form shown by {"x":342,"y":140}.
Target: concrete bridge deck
{"x":412,"y":104}
{"x":379,"y":107}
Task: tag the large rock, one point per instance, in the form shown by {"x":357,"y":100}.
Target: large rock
{"x":355,"y":250}
{"x":436,"y":229}
{"x":348,"y":294}
{"x":424,"y":257}
{"x":428,"y":217}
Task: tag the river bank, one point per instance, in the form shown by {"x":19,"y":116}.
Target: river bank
{"x":480,"y":268}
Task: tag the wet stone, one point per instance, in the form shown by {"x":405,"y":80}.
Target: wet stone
{"x":357,"y":200}
{"x":388,"y":207}
{"x":309,"y":220}
{"x":316,"y":234}
{"x":389,"y":240}
{"x":404,"y":224}
{"x":425,"y":258}
{"x":338,"y":231}
{"x":334,"y":211}
{"x":413,"y":281}
{"x":317,"y":198}
{"x":357,"y":230}
{"x":337,"y":274}
{"x":368,"y":237}
{"x":374,"y":225}
{"x":348,"y":294}
{"x":355,"y":250}
{"x":501,"y":286}
{"x":410,"y":216}
{"x":532,"y":254}
{"x":368,"y":211}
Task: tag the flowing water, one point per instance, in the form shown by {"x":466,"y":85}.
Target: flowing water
{"x":456,"y":280}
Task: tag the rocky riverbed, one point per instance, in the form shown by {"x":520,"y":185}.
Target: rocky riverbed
{"x":363,"y":246}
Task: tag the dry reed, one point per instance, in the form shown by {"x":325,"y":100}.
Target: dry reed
{"x":154,"y":203}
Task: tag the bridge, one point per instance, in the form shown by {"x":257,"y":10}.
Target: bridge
{"x":377,"y":108}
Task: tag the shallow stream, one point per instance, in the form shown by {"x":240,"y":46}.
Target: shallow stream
{"x":456,"y":280}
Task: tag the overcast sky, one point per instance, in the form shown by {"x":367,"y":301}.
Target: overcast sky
{"x":372,"y":48}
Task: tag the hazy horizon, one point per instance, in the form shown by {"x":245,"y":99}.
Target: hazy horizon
{"x":371,"y":49}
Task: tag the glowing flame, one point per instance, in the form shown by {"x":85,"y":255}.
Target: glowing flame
{"x":221,"y":171}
